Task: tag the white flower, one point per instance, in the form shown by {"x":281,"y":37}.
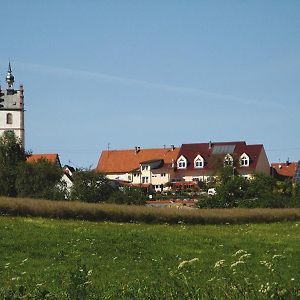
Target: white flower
{"x":219,"y":263}
{"x":241,"y":251}
{"x":277,"y":256}
{"x":237,"y":263}
{"x":187,"y":262}
{"x":246,"y":255}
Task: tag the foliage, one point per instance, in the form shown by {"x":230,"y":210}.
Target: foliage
{"x":40,"y":179}
{"x":90,"y":186}
{"x":129,"y":195}
{"x":261,"y":191}
{"x":102,"y":260}
{"x":11,"y":155}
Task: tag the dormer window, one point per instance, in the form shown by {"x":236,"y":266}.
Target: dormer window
{"x":244,"y":160}
{"x":228,"y":160}
{"x":181,"y":162}
{"x":144,"y":168}
{"x":198,"y":162}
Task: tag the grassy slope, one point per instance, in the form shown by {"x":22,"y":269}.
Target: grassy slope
{"x":47,"y":250}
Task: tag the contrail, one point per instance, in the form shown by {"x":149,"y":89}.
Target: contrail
{"x":129,"y":81}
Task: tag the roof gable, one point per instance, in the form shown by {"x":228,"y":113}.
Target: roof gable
{"x":219,"y":149}
{"x":122,"y":161}
{"x":51,"y":157}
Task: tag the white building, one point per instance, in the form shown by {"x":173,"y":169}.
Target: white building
{"x":12,"y":108}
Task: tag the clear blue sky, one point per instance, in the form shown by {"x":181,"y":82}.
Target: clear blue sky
{"x":149,"y":73}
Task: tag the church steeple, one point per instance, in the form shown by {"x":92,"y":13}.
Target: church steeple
{"x":10,"y":79}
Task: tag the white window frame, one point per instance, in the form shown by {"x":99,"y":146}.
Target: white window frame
{"x":197,"y":159}
{"x":181,"y":162}
{"x":228,"y":158}
{"x":145,"y":179}
{"x":244,"y":160}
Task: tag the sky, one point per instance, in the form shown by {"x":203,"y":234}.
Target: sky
{"x":121,"y":74}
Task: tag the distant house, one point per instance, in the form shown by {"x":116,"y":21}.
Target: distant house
{"x":139,"y":167}
{"x":51,"y":157}
{"x":184,"y":166}
{"x":67,"y":177}
{"x":286,"y":170}
{"x":198,"y":162}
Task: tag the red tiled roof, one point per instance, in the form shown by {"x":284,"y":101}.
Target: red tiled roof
{"x":287,"y":169}
{"x":190,"y":152}
{"x":122,"y":161}
{"x":51,"y":157}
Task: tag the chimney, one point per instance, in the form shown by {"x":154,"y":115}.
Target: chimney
{"x":137,"y":149}
{"x":209,"y":145}
{"x":173,"y":147}
{"x":288,"y":161}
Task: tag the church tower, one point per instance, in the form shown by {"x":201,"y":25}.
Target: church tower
{"x":12,"y":108}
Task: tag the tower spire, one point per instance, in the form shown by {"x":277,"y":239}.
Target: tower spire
{"x":10,"y":79}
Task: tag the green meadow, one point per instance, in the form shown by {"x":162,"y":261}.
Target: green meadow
{"x":67,"y":259}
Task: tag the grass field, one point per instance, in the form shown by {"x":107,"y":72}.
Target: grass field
{"x":66,"y":259}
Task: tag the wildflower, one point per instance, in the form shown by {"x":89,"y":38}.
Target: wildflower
{"x":211,"y":279}
{"x":187,"y":262}
{"x":219,"y":263}
{"x":241,"y":251}
{"x":89,"y":273}
{"x":277,"y":256}
{"x":246,"y":255}
{"x":237,"y":263}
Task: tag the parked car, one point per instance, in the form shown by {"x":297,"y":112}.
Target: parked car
{"x":211,"y":191}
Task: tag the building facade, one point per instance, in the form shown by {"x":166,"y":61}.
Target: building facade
{"x":12,"y":108}
{"x":184,"y":166}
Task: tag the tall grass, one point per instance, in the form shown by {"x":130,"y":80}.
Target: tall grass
{"x":127,"y":213}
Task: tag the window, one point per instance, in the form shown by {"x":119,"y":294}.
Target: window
{"x":144,"y":168}
{"x":163,"y":174}
{"x":136,"y":174}
{"x":181,"y":162}
{"x":9,"y":118}
{"x":228,"y":160}
{"x":145,"y":179}
{"x":198,"y":162}
{"x":244,"y":160}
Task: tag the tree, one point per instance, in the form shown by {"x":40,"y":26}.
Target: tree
{"x":90,"y":186}
{"x":231,"y":191}
{"x":129,"y":195}
{"x":11,"y":155}
{"x":40,"y":179}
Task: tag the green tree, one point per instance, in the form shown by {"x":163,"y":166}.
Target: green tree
{"x":129,"y":195}
{"x":11,"y":155}
{"x":230,"y":192}
{"x":90,"y":186}
{"x":40,"y":179}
